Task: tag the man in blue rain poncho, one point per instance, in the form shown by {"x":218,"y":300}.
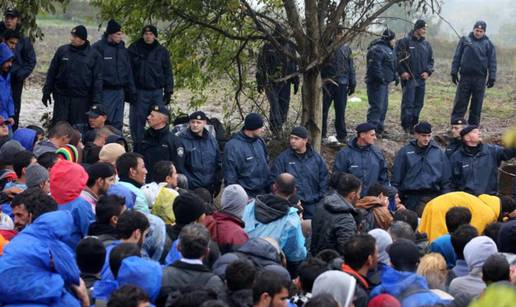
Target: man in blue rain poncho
{"x":38,"y":267}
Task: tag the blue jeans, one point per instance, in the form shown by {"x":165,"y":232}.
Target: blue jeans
{"x":140,"y":109}
{"x":113,"y":102}
{"x":412,"y":101}
{"x":378,"y":97}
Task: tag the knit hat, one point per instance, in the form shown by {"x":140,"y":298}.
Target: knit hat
{"x":300,"y":131}
{"x":81,"y":32}
{"x":467,"y":130}
{"x":234,"y":199}
{"x":383,"y":241}
{"x":480,"y":25}
{"x":404,"y":255}
{"x":68,"y":152}
{"x":388,"y":35}
{"x":338,"y":284}
{"x":35,"y":175}
{"x":478,"y":250}
{"x":253,"y":121}
{"x":110,"y":152}
{"x":423,"y":127}
{"x":150,"y":28}
{"x":507,"y":237}
{"x":67,"y":180}
{"x":458,"y":121}
{"x":384,"y":300}
{"x":199,"y":115}
{"x":188,"y":207}
{"x":113,"y":27}
{"x":364,"y":127}
{"x":420,"y":23}
{"x":9,"y":150}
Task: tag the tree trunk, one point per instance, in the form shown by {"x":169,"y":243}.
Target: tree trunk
{"x":312,"y":106}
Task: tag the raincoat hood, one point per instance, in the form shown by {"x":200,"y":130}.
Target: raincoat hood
{"x":67,"y":180}
{"x":26,"y":137}
{"x":143,"y":273}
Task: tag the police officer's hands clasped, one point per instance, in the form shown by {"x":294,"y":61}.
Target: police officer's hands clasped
{"x":455,"y":78}
{"x":405,"y":76}
{"x":46,"y":100}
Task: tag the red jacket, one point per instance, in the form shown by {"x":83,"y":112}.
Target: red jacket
{"x":227,"y":230}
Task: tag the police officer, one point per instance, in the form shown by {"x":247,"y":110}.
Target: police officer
{"x":246,"y":158}
{"x":339,"y":81}
{"x":457,"y":124}
{"x":363,"y":159}
{"x":273,"y":64}
{"x":117,"y":75}
{"x":475,"y":165}
{"x":381,"y":70}
{"x":200,"y":151}
{"x":475,"y":61}
{"x":75,"y":80}
{"x":420,"y":169}
{"x":415,"y":65}
{"x":307,"y":166}
{"x":153,"y":78}
{"x":159,"y":143}
{"x":25,"y":59}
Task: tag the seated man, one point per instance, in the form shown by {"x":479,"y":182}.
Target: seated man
{"x":272,"y":215}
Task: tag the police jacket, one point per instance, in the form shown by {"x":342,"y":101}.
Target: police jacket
{"x":116,"y":65}
{"x":201,"y":156}
{"x":475,"y":169}
{"x":418,"y":169}
{"x":76,"y":72}
{"x":475,"y":57}
{"x":366,"y":163}
{"x":274,"y":64}
{"x":151,"y":66}
{"x":246,"y":163}
{"x":414,"y":55}
{"x":25,"y":57}
{"x":340,"y":67}
{"x":381,"y":63}
{"x":158,"y":145}
{"x":310,"y":172}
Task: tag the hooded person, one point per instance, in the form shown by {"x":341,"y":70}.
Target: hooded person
{"x":226,"y":226}
{"x":383,"y":241}
{"x":401,"y":280}
{"x":38,"y":266}
{"x":476,"y":253}
{"x":339,"y":284}
{"x":485,"y":209}
{"x":67,"y":180}
{"x":37,"y":176}
{"x":6,"y":100}
{"x":143,"y":273}
{"x":26,"y":137}
{"x":8,"y":152}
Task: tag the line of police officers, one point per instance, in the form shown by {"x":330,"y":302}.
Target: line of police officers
{"x":410,"y":61}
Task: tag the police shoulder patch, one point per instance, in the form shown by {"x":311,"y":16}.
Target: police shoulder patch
{"x":180,"y":151}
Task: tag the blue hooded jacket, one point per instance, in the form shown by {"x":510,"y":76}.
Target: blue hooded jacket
{"x":144,"y":273}
{"x":26,"y":137}
{"x":409,"y":288}
{"x":37,"y":266}
{"x":6,"y":97}
{"x":83,"y":216}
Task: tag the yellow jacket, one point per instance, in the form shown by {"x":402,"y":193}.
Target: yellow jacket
{"x":485,"y":210}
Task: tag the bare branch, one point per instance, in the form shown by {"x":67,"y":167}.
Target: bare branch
{"x":294,"y":21}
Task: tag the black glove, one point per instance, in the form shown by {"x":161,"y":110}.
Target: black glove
{"x":455,"y":78}
{"x":351,"y":89}
{"x":167,"y":98}
{"x":296,"y":87}
{"x":396,"y":82}
{"x":130,"y":98}
{"x":490,"y":83}
{"x":260,"y":89}
{"x":46,"y":100}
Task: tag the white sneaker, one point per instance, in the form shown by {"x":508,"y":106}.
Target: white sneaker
{"x":333,"y":140}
